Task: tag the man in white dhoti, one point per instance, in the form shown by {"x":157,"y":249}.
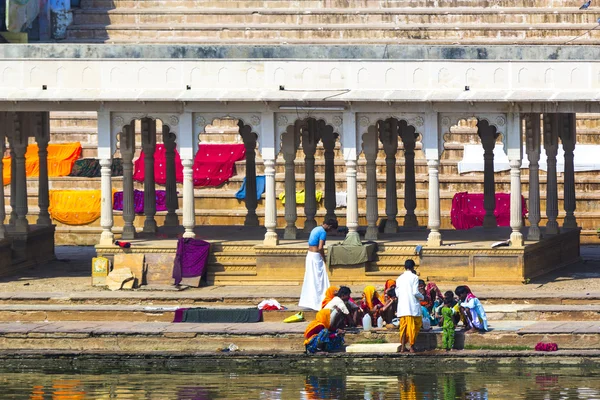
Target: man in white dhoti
{"x":316,"y":280}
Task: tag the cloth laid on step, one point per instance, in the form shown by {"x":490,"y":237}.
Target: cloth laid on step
{"x":351,"y":251}
{"x":160,"y":166}
{"x":191,"y":259}
{"x":215,"y":163}
{"x":218,"y":315}
{"x":20,"y":14}
{"x":468,"y":212}
{"x":260,"y":188}
{"x":61,"y":158}
{"x":138,"y":200}
{"x":75,"y":207}
{"x":301,"y":196}
{"x":90,"y":168}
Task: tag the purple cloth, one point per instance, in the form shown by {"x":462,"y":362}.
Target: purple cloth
{"x":138,"y":200}
{"x":191,"y":259}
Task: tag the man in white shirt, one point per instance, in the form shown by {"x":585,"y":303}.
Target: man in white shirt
{"x":409,"y":307}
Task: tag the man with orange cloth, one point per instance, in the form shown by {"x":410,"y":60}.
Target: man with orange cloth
{"x":409,"y":307}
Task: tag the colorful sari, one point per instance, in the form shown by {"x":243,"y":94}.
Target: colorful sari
{"x":329,"y":295}
{"x":318,"y":337}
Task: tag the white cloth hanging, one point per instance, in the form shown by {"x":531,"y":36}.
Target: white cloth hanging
{"x":341,"y":199}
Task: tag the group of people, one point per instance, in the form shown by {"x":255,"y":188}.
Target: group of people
{"x":407,"y":303}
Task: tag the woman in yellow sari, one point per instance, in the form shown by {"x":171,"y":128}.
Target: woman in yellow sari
{"x":371,"y":303}
{"x":322,"y":333}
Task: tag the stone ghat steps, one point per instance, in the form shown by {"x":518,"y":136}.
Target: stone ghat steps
{"x":308,"y":4}
{"x":331,"y":16}
{"x":166,"y":313}
{"x":372,"y":33}
{"x":149,"y":337}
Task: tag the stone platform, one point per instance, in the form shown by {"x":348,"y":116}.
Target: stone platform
{"x":238,"y":257}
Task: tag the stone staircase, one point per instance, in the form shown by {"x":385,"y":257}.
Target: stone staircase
{"x":333,"y":22}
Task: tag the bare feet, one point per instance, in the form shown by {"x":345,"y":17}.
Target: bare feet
{"x":403,"y":349}
{"x":473,"y":330}
{"x":412,"y":349}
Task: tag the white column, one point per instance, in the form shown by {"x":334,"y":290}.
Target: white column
{"x":515,"y":155}
{"x":105,"y":152}
{"x":388,"y":134}
{"x":171,"y":185}
{"x":370,"y":148}
{"x":551,"y":124}
{"x":568,"y":137}
{"x":43,"y":137}
{"x":149,"y":146}
{"x":20,"y":142}
{"x":188,"y":148}
{"x":268,"y":146}
{"x":291,"y":141}
{"x":350,"y":157}
{"x":532,"y":140}
{"x":432,"y":146}
{"x":127,"y":151}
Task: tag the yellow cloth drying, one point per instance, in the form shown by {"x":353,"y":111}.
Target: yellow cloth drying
{"x":301,"y":196}
{"x":61,"y":157}
{"x":75,"y":207}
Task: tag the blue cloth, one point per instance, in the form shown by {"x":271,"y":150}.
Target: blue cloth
{"x":325,"y":341}
{"x":260,"y":188}
{"x":316,"y":235}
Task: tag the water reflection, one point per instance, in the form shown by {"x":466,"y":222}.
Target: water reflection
{"x":467,"y":384}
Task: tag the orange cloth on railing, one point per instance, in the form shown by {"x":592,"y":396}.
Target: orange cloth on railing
{"x":75,"y":207}
{"x":61,"y":157}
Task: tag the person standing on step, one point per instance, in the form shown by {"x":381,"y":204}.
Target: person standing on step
{"x":316,"y":280}
{"x":409,"y":306}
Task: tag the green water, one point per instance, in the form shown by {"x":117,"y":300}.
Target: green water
{"x":313,"y":382}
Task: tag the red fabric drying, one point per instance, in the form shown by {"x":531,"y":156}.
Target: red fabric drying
{"x":214,"y":164}
{"x":468,"y":212}
{"x":160,"y":166}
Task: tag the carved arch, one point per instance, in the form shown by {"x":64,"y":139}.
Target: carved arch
{"x":366,"y":121}
{"x":496,"y":120}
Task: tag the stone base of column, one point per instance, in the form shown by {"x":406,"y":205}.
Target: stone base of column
{"x":271,"y":239}
{"x":128,"y":233}
{"x":489,"y":221}
{"x":150,"y":226}
{"x":434,"y":239}
{"x":251,"y":220}
{"x":570,"y":222}
{"x":188,"y":234}
{"x":516,"y":239}
{"x":290,"y":233}
{"x":534,"y":233}
{"x":21,"y":226}
{"x":372,"y":233}
{"x":552,"y":228}
{"x":107,"y":238}
{"x":391,"y":226}
{"x":44,"y":220}
{"x":410,"y":221}
{"x":309,"y":226}
{"x":171,"y":220}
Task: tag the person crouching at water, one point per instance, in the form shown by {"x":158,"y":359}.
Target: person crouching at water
{"x":316,"y":280}
{"x":472,"y":311}
{"x":409,"y":306}
{"x":323,"y":334}
{"x":343,"y":302}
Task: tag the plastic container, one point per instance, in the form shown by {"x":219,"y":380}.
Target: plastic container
{"x":380,"y":322}
{"x":366,"y":321}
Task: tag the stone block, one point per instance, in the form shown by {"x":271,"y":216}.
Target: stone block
{"x":135,"y":263}
{"x":377,"y":348}
{"x":100,"y":268}
{"x":121,"y":278}
{"x":159,"y":268}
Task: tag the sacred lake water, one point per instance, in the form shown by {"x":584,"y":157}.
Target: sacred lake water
{"x":61,"y":379}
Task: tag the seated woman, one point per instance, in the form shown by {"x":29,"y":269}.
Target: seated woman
{"x":390,"y":305}
{"x":330,"y":293}
{"x":371,"y":303}
{"x":323,"y":334}
{"x":471,"y":310}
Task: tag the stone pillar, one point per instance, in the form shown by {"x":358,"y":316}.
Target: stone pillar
{"x":514,"y":144}
{"x":533,"y":143}
{"x":20,"y":144}
{"x":189,"y":217}
{"x":271,"y":238}
{"x":43,"y":137}
{"x":310,"y":138}
{"x":488,"y":137}
{"x":388,"y":134}
{"x":13,"y":183}
{"x":291,"y":141}
{"x":409,"y":137}
{"x":551,"y":125}
{"x":3,"y":133}
{"x":568,"y":137}
{"x":329,"y":138}
{"x":149,"y":147}
{"x":171,"y":185}
{"x":127,"y":152}
{"x":351,"y":157}
{"x":433,"y":149}
{"x":251,"y":201}
{"x":370,"y":148}
{"x":106,"y":143}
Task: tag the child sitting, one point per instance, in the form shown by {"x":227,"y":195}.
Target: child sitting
{"x":471,"y":310}
{"x":447,"y":322}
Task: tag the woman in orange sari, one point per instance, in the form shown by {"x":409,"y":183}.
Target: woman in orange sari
{"x":330,"y":293}
{"x":322,"y":333}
